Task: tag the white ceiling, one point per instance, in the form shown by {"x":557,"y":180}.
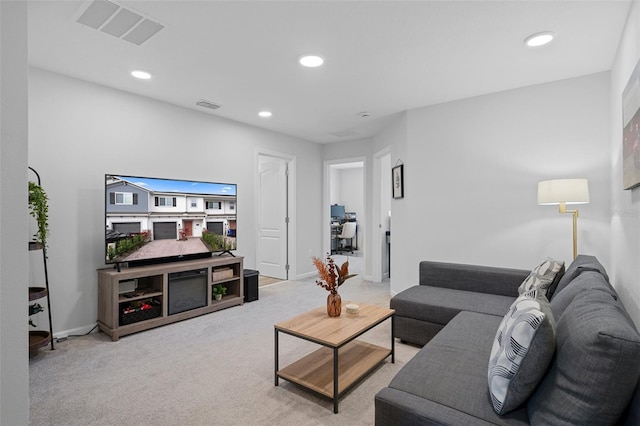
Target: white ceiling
{"x":383,"y":57}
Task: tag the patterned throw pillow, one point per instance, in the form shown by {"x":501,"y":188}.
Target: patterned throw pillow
{"x":544,"y":276}
{"x":522,"y":350}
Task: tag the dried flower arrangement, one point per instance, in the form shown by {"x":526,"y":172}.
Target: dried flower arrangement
{"x":331,"y":277}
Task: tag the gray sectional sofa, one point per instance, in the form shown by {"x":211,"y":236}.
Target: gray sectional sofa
{"x":590,"y":377}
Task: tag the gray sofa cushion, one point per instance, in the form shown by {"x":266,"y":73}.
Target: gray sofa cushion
{"x":439,"y":305}
{"x":398,"y":408}
{"x":452,"y":369}
{"x":631,"y":417}
{"x":596,"y":368}
{"x":522,"y":350}
{"x":580,"y":264}
{"x":415,"y":331}
{"x":588,"y":280}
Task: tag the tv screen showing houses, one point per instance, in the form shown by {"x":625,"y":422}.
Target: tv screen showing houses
{"x":154,"y":219}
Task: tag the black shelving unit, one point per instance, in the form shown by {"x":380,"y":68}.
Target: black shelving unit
{"x":40,"y":338}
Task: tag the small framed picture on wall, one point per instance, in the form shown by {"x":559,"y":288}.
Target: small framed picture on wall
{"x":397,"y":176}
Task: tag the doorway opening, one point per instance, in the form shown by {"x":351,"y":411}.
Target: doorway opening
{"x":345,"y":206}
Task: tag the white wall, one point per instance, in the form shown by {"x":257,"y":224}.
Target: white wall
{"x":335,"y":190}
{"x":395,"y":136}
{"x":471,"y":171}
{"x":352,"y":182}
{"x":14,"y":217}
{"x":625,"y":205}
{"x":79,"y":131}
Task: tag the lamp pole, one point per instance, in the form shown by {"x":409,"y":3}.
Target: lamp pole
{"x":563,"y":209}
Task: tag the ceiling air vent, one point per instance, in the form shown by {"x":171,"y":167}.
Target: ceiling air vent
{"x":207,"y":104}
{"x":118,"y":21}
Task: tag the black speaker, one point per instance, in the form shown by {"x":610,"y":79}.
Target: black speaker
{"x":250,"y":284}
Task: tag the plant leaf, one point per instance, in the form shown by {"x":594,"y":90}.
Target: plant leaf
{"x":344,"y":269}
{"x":344,"y":278}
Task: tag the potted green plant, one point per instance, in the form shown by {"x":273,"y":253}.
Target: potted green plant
{"x":34,"y":309}
{"x":219,"y":290}
{"x":39,"y":209}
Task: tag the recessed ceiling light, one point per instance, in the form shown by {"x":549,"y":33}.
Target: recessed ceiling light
{"x":143,"y":75}
{"x":311,"y":61}
{"x":265,"y":114}
{"x":539,"y":39}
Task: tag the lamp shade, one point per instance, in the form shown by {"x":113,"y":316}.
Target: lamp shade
{"x":567,"y":191}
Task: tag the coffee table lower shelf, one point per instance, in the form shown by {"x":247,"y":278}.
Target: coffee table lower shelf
{"x":315,"y":371}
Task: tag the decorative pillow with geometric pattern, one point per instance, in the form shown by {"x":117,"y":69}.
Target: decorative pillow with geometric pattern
{"x":522,"y":350}
{"x":544,"y":276}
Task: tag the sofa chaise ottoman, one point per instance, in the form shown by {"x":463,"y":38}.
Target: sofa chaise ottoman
{"x":584,"y":372}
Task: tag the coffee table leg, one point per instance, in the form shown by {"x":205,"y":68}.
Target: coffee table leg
{"x":335,"y":380}
{"x":276,"y":357}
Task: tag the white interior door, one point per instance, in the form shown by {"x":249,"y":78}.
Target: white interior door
{"x":272,"y":217}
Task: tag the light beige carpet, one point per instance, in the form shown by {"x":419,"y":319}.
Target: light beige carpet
{"x":217,"y":369}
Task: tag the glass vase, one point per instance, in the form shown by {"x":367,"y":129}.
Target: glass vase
{"x":334,"y":305}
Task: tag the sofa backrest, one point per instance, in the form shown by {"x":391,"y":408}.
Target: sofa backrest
{"x":482,"y":279}
{"x":595,"y":371}
{"x":580,"y":264}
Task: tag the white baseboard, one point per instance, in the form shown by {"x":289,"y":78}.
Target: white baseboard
{"x":80,"y":331}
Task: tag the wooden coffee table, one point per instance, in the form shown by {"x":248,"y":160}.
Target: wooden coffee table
{"x":342,"y":361}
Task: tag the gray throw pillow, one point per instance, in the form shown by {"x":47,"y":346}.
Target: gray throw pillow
{"x":522,"y":350}
{"x":544,"y":276}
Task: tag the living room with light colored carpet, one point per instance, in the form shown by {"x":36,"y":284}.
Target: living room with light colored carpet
{"x":213,"y":369}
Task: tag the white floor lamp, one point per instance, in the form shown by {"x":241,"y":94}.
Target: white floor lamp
{"x":563,"y":192}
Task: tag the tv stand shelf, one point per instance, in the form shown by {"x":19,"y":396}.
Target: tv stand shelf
{"x":137,"y":298}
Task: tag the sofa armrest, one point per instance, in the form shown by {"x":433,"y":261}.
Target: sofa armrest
{"x":482,"y":279}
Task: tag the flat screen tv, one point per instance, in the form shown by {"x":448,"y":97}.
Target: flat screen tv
{"x":151,"y":220}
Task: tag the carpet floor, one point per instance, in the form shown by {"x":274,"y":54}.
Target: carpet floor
{"x":216,"y":369}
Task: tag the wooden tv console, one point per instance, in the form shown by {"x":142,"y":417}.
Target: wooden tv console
{"x":122,"y":294}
